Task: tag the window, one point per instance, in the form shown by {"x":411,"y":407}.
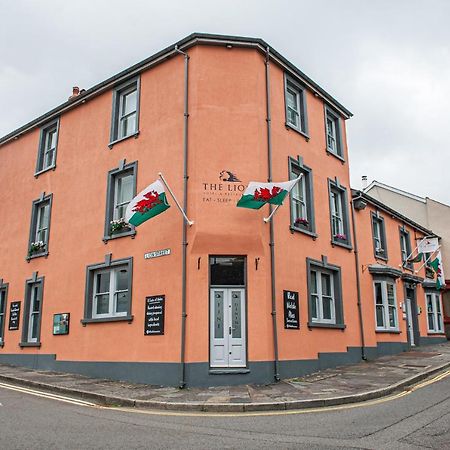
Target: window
{"x":405,"y":248}
{"x":434,"y":313}
{"x":385,"y":305}
{"x":121,"y":189}
{"x":125,"y":115}
{"x":295,"y":103}
{"x":31,"y":330}
{"x":302,"y":205}
{"x":40,"y":227}
{"x":325,"y":294}
{"x":379,"y":236}
{"x":48,"y":142}
{"x":333,"y":132}
{"x":3,"y":296}
{"x":108,"y":291}
{"x":340,"y":230}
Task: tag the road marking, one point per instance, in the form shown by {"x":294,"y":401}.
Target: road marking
{"x":389,"y":398}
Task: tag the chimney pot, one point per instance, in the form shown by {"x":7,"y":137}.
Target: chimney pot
{"x":364,"y":181}
{"x":75,"y":92}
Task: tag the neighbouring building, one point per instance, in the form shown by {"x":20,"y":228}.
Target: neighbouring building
{"x":429,"y":213}
{"x":231,"y":299}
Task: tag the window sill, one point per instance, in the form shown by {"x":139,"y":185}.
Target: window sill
{"x":29,"y":344}
{"x":295,"y":229}
{"x":131,"y":233}
{"x":330,"y":153}
{"x":291,"y":127}
{"x":409,"y":269}
{"x":44,"y":170}
{"x":128,"y":319}
{"x":383,"y":258}
{"x":37,"y":255}
{"x":228,"y":371}
{"x":339,"y":326}
{"x":388,"y":331}
{"x":343,"y":244}
{"x":434,"y":333}
{"x":112,"y":143}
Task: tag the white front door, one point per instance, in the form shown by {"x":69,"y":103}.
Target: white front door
{"x":409,"y":320}
{"x":227,"y":327}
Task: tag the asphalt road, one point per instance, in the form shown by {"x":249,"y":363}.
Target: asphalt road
{"x":420,"y":419}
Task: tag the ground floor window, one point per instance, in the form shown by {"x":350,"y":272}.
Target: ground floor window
{"x":434,"y":313}
{"x":385,"y":305}
{"x":31,"y":330}
{"x":3,"y":293}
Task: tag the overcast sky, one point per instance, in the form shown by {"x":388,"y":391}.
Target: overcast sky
{"x":386,"y":61}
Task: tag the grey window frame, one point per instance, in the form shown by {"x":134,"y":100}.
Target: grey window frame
{"x":296,"y":167}
{"x":336,"y":274}
{"x":33,"y":225}
{"x":384,"y":281}
{"x":300,"y":90}
{"x":3,"y":289}
{"x":29,"y":286}
{"x":91,"y":271}
{"x":113,"y":174}
{"x":334,"y":116}
{"x":118,"y":91}
{"x":379,"y":220}
{"x":438,"y":317}
{"x":42,"y":150}
{"x":335,"y":187}
{"x":403,"y":232}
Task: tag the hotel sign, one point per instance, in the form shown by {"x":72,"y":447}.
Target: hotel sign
{"x":227,"y":189}
{"x":157,"y":253}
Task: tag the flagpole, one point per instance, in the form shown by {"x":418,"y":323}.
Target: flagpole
{"x":189,"y":222}
{"x":266,"y":219}
{"x":431,"y":255}
{"x":417,"y":247}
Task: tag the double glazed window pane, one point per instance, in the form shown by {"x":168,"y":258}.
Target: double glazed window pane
{"x":102,"y":292}
{"x":292,"y":107}
{"x":123,"y":195}
{"x":298,"y":196}
{"x":379,"y":305}
{"x":336,"y":213}
{"x":322,"y":296}
{"x":121,"y":290}
{"x":127,"y":112}
{"x":331,"y":134}
{"x":49,"y":147}
{"x":111,"y":293}
{"x":42,"y":223}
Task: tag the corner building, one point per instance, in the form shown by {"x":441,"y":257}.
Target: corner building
{"x":228,"y":300}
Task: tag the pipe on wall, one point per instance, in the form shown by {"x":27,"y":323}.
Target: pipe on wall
{"x":271,"y":238}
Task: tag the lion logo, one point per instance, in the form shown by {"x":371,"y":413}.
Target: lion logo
{"x":226,"y":175}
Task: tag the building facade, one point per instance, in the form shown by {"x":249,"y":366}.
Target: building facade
{"x":229,"y":300}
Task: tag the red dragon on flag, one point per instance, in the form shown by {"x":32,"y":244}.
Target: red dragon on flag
{"x":265,"y":194}
{"x":150,"y":200}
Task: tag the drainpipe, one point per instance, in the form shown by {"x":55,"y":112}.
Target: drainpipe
{"x":184,"y":238}
{"x":271,"y":241}
{"x":358,"y":284}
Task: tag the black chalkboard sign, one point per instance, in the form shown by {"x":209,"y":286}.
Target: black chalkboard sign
{"x":14,"y":316}
{"x":291,"y":315}
{"x":154,"y":315}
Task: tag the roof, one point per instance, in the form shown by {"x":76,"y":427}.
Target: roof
{"x":168,"y":52}
{"x":376,"y":183}
{"x":356,"y":194}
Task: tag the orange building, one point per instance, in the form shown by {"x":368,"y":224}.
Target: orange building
{"x":231,"y":299}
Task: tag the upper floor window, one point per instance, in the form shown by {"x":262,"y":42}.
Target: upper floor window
{"x":121,"y":189}
{"x":379,"y":236}
{"x":405,"y":248}
{"x":434,"y":313}
{"x":385,"y":306}
{"x":31,"y":330}
{"x":40,"y":226}
{"x":340,"y":230}
{"x":125,"y":116}
{"x":48,"y":142}
{"x":333,"y":132}
{"x":295,"y":103}
{"x":3,"y":296}
{"x":302,"y":203}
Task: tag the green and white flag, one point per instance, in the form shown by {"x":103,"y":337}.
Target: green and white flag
{"x":147,"y":204}
{"x":436,"y":265}
{"x":257,"y":194}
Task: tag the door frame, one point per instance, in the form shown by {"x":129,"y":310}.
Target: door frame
{"x":414,"y":315}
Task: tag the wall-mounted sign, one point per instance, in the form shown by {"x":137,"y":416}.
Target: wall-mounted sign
{"x":14,"y":316}
{"x":157,"y":253}
{"x":61,"y":323}
{"x":226,"y":189}
{"x":154,"y":315}
{"x":291,"y":315}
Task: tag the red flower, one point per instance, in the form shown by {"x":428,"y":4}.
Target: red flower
{"x":150,"y":200}
{"x":264,"y":194}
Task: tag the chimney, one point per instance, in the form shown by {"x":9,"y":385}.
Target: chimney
{"x":364,"y":181}
{"x":75,"y":92}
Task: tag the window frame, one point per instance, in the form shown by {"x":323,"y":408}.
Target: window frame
{"x":322,"y":267}
{"x":331,"y":114}
{"x":335,"y":188}
{"x":296,"y":167}
{"x":107,"y":266}
{"x":118,"y":93}
{"x":404,"y":233}
{"x":438,"y":316}
{"x":30,"y":285}
{"x":384,"y":281}
{"x":377,"y":220}
{"x":35,"y":215}
{"x":44,"y":132}
{"x":3,"y":292}
{"x":300,"y":91}
{"x":112,"y":177}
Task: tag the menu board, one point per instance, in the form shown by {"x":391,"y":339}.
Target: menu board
{"x":14,"y":316}
{"x":291,"y":315}
{"x":154,"y":315}
{"x":61,"y":323}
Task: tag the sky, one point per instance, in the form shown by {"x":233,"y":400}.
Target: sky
{"x":387,"y":61}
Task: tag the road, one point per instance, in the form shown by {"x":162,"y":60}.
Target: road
{"x":420,"y":419}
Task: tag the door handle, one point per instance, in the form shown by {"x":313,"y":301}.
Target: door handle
{"x":229,"y":330}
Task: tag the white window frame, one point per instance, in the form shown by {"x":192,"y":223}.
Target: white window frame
{"x":42,"y":228}
{"x":122,"y":116}
{"x":318,"y":297}
{"x":331,"y":134}
{"x":337,"y":216}
{"x":386,"y":305}
{"x":436,"y":312}
{"x":34,"y":315}
{"x":294,"y":88}
{"x":46,"y":147}
{"x":116,"y":203}
{"x":299,"y":199}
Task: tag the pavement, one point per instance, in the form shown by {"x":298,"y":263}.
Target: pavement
{"x":344,"y":384}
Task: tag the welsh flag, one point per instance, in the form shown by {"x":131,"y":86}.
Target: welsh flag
{"x":257,"y":194}
{"x":147,"y":204}
{"x":436,"y":265}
